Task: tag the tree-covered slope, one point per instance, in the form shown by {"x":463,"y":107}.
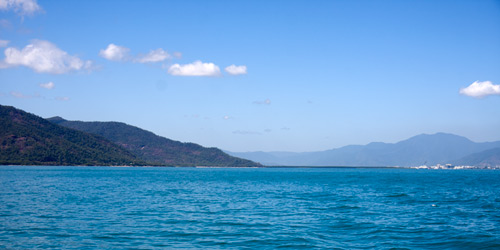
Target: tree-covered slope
{"x":26,"y":139}
{"x":157,"y":149}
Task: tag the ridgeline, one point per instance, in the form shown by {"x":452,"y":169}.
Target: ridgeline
{"x":26,"y":139}
{"x":156,"y":149}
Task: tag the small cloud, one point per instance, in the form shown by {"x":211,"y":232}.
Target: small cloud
{"x":226,"y":117}
{"x":115,"y":53}
{"x":481,"y":89}
{"x":4,"y":43}
{"x":153,"y":56}
{"x":21,"y":7}
{"x":268,"y":130}
{"x":177,"y":55}
{"x":49,"y":85}
{"x":285,"y":128}
{"x":20,"y":95}
{"x":196,"y":68}
{"x":63,"y":98}
{"x":236,"y":70}
{"x":43,"y":57}
{"x":265,"y":102}
{"x":246,"y":132}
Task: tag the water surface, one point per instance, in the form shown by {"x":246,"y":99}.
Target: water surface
{"x":189,"y":208}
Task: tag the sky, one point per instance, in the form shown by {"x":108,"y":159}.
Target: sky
{"x":259,"y":75}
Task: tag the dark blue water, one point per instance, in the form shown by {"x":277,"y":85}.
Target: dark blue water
{"x":188,"y":208}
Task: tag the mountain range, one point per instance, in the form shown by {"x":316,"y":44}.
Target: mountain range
{"x":26,"y":139}
{"x":440,"y":148}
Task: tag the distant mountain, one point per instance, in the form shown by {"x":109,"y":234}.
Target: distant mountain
{"x":490,"y":157}
{"x":419,"y":150}
{"x":26,"y":139}
{"x":152,"y":148}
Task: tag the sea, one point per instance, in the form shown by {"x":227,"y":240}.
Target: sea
{"x":46,"y":207}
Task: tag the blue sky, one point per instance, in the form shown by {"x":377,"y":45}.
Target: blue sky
{"x":259,"y":75}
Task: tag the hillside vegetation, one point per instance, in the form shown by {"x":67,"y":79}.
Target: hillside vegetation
{"x":156,"y":149}
{"x":26,"y":139}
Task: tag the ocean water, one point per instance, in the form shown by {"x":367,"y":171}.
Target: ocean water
{"x":224,"y":208}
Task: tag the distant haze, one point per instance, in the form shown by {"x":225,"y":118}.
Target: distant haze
{"x":419,"y":150}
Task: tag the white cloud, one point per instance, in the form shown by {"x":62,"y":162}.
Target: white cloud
{"x":49,"y":85}
{"x":265,"y":102}
{"x":156,"y":55}
{"x":43,"y":57}
{"x":20,"y":7}
{"x":236,"y":70}
{"x":4,"y":43}
{"x":114,"y":53}
{"x":226,"y":117}
{"x":481,"y":89}
{"x":196,"y":68}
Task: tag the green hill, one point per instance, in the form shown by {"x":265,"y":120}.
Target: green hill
{"x":26,"y":139}
{"x":152,"y":148}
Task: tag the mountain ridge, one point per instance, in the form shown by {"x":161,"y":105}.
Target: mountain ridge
{"x":153,"y":148}
{"x":422,"y":149}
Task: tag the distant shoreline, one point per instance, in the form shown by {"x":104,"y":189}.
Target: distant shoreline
{"x":267,"y":167}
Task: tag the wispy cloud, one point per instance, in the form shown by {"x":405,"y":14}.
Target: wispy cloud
{"x":177,"y":55}
{"x":43,"y":57}
{"x":481,"y":89}
{"x":236,"y":70}
{"x":265,"y":102}
{"x":4,"y":43}
{"x":115,"y":52}
{"x":21,"y":7}
{"x":20,"y":95}
{"x":157,"y":55}
{"x":62,"y":98}
{"x":246,"y":132}
{"x":4,"y":23}
{"x":196,"y":68}
{"x":48,"y":85}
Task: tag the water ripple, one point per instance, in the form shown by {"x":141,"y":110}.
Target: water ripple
{"x":187,"y":208}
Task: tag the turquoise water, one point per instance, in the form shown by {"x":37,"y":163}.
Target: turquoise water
{"x":188,"y":208}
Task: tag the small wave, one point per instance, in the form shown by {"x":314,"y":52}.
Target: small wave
{"x":396,"y":195}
